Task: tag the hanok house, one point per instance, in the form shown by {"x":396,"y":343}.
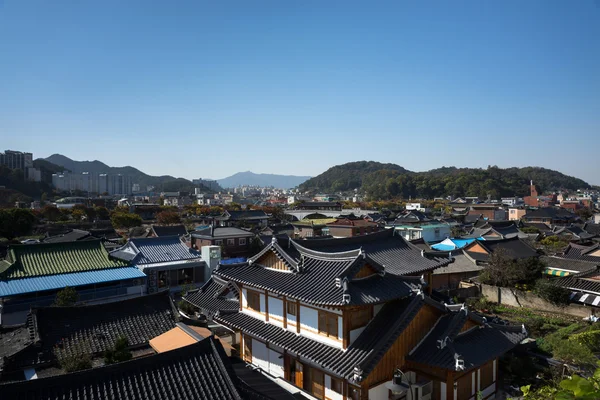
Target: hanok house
{"x":345,"y":227}
{"x":168,"y":230}
{"x":249,"y":218}
{"x":200,"y":370}
{"x":550,"y":216}
{"x":497,"y":230}
{"x":480,"y":251}
{"x":309,"y":228}
{"x":31,"y":275}
{"x":166,"y":260}
{"x":52,"y":332}
{"x":234,"y":241}
{"x":338,"y":325}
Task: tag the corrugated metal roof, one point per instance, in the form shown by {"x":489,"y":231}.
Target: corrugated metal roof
{"x":35,"y":284}
{"x":156,"y":250}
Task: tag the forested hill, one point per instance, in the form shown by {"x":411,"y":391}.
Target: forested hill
{"x":385,"y":181}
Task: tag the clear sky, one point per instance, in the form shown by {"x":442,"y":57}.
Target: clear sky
{"x":207,"y":89}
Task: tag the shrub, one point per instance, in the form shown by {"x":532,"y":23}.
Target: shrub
{"x":76,"y":360}
{"x":119,"y":352}
{"x":186,"y":307}
{"x":66,"y":297}
{"x":554,"y":294}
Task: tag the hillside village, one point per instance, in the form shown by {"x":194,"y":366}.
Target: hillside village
{"x":269,"y":293}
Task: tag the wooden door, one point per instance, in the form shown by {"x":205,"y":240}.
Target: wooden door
{"x":247,"y":349}
{"x":318,"y":383}
{"x":299,"y":374}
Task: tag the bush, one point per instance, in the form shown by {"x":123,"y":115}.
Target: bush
{"x":66,"y":297}
{"x":554,"y":294}
{"x":76,"y":360}
{"x":119,"y":352}
{"x":504,"y":271}
{"x":186,"y":307}
{"x":125,"y":220}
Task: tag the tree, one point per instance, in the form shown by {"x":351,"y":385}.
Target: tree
{"x":102,"y":213}
{"x":574,"y":387}
{"x":51,"y":213}
{"x":16,"y":222}
{"x":43,"y":198}
{"x":168,"y":217}
{"x":502,"y":270}
{"x":125,"y":220}
{"x":584,"y":213}
{"x":66,"y":297}
{"x":78,"y":214}
{"x":119,"y":352}
{"x":77,"y":359}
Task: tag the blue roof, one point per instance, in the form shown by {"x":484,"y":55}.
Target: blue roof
{"x":52,"y":282}
{"x":458,"y":244}
{"x":229,"y":261}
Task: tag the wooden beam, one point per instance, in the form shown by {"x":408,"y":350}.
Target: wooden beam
{"x":266,"y":305}
{"x":298,"y":316}
{"x":450,"y":386}
{"x":284,"y":312}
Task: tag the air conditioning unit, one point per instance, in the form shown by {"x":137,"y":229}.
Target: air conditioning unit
{"x":422,"y":390}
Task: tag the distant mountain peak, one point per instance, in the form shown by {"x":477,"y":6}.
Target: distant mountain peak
{"x":253,"y":179}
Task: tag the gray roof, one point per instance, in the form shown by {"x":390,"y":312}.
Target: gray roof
{"x":155,"y":250}
{"x":580,"y":252}
{"x":169,"y":230}
{"x":72,"y":236}
{"x":460,"y":264}
{"x":585,"y":282}
{"x":221,"y":232}
{"x":319,"y":278}
{"x":215,"y":295}
{"x":385,"y":247}
{"x":445,"y":343}
{"x":570,"y":264}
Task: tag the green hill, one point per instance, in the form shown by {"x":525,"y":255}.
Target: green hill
{"x":385,"y":181}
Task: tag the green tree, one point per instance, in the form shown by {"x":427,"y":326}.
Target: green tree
{"x":502,"y":270}
{"x":119,"y":352}
{"x":102,"y":213}
{"x":16,"y":222}
{"x":125,"y":220}
{"x":66,"y":297}
{"x":574,"y":387}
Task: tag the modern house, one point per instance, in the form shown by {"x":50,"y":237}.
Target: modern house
{"x":32,"y":274}
{"x":234,"y":241}
{"x":250,"y":218}
{"x":430,"y":232}
{"x":166,"y":260}
{"x":346,"y":325}
{"x":345,"y":227}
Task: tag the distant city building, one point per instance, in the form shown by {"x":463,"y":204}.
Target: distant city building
{"x":23,"y":161}
{"x":209,"y":183}
{"x":116,"y":184}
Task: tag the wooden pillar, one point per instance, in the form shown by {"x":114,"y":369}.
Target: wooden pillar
{"x":284,"y":313}
{"x":241,"y":296}
{"x":346,"y":328}
{"x":429,"y":282}
{"x":298,"y":316}
{"x":266,"y":306}
{"x":450,"y":386}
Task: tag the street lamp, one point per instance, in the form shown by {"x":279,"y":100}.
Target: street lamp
{"x":397,"y":385}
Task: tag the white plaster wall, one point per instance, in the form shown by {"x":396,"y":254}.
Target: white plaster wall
{"x":489,"y":390}
{"x":379,"y":393}
{"x":275,"y":310}
{"x":330,"y":394}
{"x":355,"y":333}
{"x":442,"y":390}
{"x":244,"y":298}
{"x":275,"y":364}
{"x":341,"y":328}
{"x":141,"y":289}
{"x":260,"y":355}
{"x":309,"y":319}
{"x":263,"y":303}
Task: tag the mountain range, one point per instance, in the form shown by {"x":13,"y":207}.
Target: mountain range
{"x":170,"y":183}
{"x":250,"y":178}
{"x":385,"y":181}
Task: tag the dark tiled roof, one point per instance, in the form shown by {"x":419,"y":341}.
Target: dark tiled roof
{"x":97,"y":327}
{"x":550,"y":212}
{"x":170,"y":230}
{"x":241,"y":215}
{"x":584,"y":282}
{"x":25,"y":261}
{"x":540,"y":226}
{"x":12,"y":342}
{"x":579,"y":252}
{"x":155,"y":250}
{"x":71,"y":236}
{"x":198,"y":371}
{"x":392,"y":251}
{"x":591,"y":228}
{"x":444,"y":344}
{"x":363,"y":354}
{"x":254,"y":384}
{"x":460,"y":264}
{"x":514,"y":247}
{"x":215,"y":295}
{"x":471,"y":218}
{"x":570,"y":264}
{"x":412,"y":216}
{"x":318,"y":278}
{"x":221,"y":232}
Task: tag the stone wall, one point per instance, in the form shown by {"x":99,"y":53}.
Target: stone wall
{"x":518,"y":298}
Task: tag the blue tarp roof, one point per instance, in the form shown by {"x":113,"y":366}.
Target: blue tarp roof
{"x":51,"y":282}
{"x":238,"y":260}
{"x":458,"y":244}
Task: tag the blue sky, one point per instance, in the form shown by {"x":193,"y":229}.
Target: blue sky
{"x":207,"y":89}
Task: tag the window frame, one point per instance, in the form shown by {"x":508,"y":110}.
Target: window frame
{"x":242,"y":241}
{"x":231,"y":242}
{"x":291,"y":308}
{"x":255,"y":300}
{"x":326,"y":325}
{"x":219,"y":242}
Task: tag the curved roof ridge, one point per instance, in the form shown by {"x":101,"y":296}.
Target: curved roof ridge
{"x":350,"y":254}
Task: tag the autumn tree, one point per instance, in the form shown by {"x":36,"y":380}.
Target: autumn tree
{"x":168,"y":217}
{"x":125,"y":220}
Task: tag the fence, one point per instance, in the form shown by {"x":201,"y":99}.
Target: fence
{"x":518,"y":298}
